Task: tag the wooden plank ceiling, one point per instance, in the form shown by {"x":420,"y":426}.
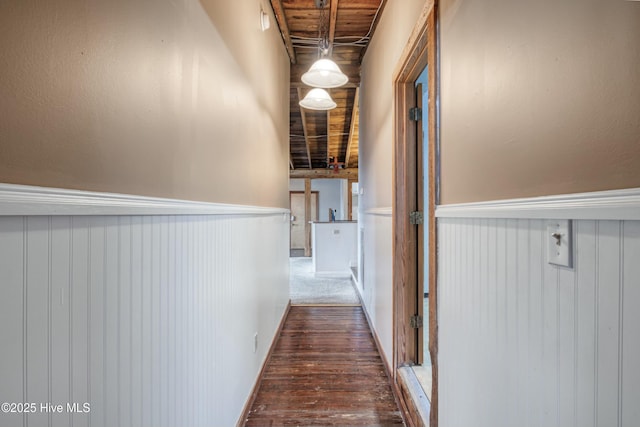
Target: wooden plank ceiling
{"x":318,"y":138}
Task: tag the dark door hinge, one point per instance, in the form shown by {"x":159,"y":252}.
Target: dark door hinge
{"x":416,"y":218}
{"x":415,"y":114}
{"x":416,"y":322}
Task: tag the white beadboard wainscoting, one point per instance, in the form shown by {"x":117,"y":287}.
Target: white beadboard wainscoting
{"x":375,"y":273}
{"x":150,"y":319}
{"x":526,"y":343}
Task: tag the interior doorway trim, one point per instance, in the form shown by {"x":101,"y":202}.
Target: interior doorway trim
{"x":419,"y":51}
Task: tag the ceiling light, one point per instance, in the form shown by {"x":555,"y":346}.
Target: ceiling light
{"x":318,"y":99}
{"x":324,"y":73}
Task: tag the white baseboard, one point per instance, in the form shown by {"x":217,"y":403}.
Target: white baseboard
{"x":343,"y":274}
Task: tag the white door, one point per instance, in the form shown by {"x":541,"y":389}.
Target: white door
{"x":296,"y":202}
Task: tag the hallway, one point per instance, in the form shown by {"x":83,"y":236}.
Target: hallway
{"x":149,"y":151}
{"x":325,"y":370}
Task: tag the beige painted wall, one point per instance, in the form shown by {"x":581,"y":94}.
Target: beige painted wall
{"x":539,"y":97}
{"x":376,"y":162}
{"x":183,"y":99}
{"x":376,"y":103}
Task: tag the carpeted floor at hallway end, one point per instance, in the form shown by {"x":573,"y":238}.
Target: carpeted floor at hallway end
{"x":307,"y":287}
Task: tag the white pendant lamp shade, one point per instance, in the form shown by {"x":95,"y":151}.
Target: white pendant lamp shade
{"x":324,"y":73}
{"x":318,"y":99}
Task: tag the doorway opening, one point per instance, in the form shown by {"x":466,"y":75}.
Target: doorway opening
{"x":323,"y":249}
{"x":414,"y":227}
{"x":423,"y":368}
{"x":299,"y":242}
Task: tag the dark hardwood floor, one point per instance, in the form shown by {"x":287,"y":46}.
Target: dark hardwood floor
{"x":325,"y":371}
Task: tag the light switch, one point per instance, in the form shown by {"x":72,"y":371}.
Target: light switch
{"x":559,"y":242}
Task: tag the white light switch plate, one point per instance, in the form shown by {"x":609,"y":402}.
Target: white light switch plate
{"x":559,"y":242}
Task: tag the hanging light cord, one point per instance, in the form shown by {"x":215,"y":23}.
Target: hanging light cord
{"x":323,"y":45}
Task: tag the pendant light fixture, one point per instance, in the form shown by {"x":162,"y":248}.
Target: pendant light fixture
{"x":324,"y":72}
{"x":318,"y":99}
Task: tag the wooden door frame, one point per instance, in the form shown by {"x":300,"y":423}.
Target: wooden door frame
{"x":421,"y":49}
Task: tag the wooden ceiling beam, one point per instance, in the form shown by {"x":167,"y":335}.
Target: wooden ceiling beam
{"x":333,"y":17}
{"x":304,"y":129}
{"x":328,"y":134}
{"x":352,"y":127}
{"x":278,"y":11}
{"x":348,"y":173}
